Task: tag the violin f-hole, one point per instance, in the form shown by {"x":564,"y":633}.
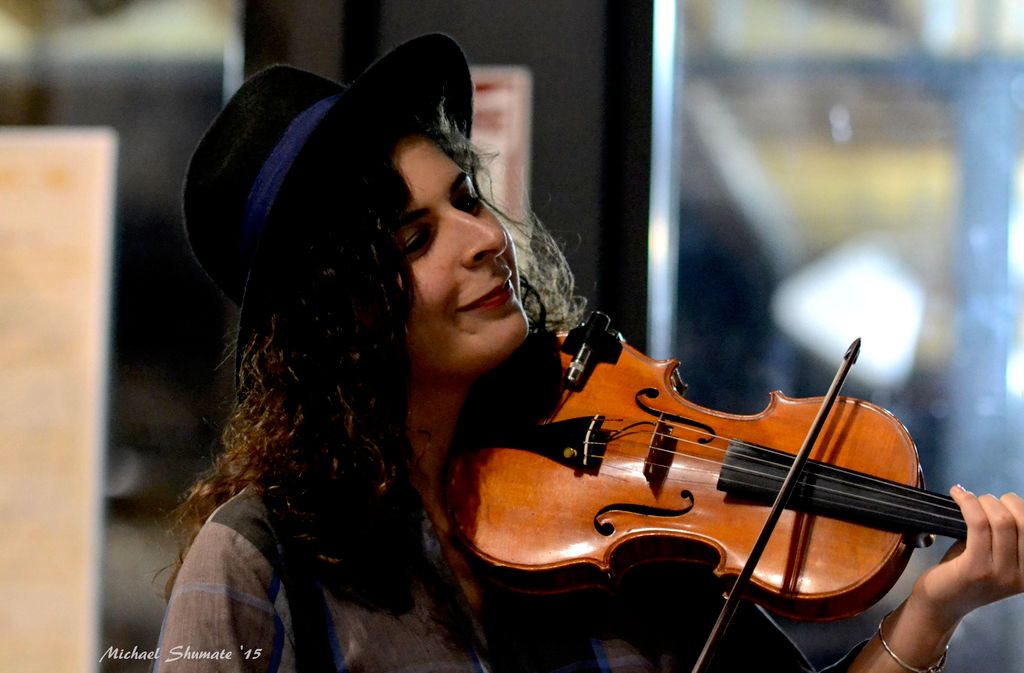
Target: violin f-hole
{"x":603,"y":519}
{"x":652,"y":393}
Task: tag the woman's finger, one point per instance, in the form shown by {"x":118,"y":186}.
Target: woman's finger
{"x":1015,"y":505}
{"x":1002,"y":566}
{"x":979,"y":535}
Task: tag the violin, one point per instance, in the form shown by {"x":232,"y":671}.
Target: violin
{"x":626,"y":471}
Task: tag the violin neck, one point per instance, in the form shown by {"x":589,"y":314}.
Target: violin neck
{"x":756,"y":471}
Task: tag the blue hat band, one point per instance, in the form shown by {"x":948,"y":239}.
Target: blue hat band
{"x":272,"y":174}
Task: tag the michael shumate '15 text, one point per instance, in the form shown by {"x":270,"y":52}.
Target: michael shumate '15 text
{"x":179,"y":652}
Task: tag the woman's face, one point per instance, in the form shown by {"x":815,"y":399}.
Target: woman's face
{"x":466,"y":314}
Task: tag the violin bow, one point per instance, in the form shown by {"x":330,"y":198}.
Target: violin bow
{"x":736,"y":592}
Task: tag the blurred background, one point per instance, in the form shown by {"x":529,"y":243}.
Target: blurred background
{"x":744,"y":185}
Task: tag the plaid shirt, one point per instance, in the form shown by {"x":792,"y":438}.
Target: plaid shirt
{"x":229,"y":612}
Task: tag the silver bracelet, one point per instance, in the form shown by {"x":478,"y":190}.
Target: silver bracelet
{"x":934,"y":668}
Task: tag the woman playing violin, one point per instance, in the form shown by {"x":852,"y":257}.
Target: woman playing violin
{"x":386,"y":309}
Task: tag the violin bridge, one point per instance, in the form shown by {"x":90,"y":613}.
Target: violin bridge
{"x":660,"y":453}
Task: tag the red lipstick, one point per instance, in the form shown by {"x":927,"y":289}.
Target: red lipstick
{"x":499,"y":296}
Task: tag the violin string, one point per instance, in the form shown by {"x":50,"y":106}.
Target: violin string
{"x":917,"y":497}
{"x":832,"y":473}
{"x":617,"y":437}
{"x":913,"y":512}
{"x":914,"y":496}
{"x":837,"y":474}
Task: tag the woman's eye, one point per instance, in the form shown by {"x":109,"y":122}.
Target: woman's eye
{"x":468,"y":203}
{"x":413,"y":240}
{"x":468,"y":198}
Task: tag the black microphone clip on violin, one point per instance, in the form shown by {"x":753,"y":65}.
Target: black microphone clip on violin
{"x":591,"y":342}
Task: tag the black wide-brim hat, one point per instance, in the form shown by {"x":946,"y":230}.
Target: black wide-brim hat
{"x":245,"y":156}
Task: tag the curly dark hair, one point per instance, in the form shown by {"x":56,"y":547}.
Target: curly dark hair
{"x":318,"y":428}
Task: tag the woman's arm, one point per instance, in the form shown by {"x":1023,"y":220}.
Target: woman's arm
{"x":986,"y":568}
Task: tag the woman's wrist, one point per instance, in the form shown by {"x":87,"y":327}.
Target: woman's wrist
{"x":915,"y":636}
{"x":936,"y":614}
{"x":935,"y":667}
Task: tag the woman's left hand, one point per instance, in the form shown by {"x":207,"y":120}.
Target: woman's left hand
{"x":987,"y":567}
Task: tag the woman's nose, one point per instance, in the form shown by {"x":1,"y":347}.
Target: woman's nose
{"x":486,"y":239}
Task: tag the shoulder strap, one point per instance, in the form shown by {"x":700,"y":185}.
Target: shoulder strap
{"x":248,"y":516}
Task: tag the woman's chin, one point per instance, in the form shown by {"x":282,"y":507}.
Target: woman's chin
{"x":470,"y":353}
{"x":497,"y":344}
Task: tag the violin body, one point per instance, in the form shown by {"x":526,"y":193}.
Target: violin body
{"x":647,"y":488}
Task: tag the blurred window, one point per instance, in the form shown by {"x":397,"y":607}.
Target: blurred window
{"x":851,"y":168}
